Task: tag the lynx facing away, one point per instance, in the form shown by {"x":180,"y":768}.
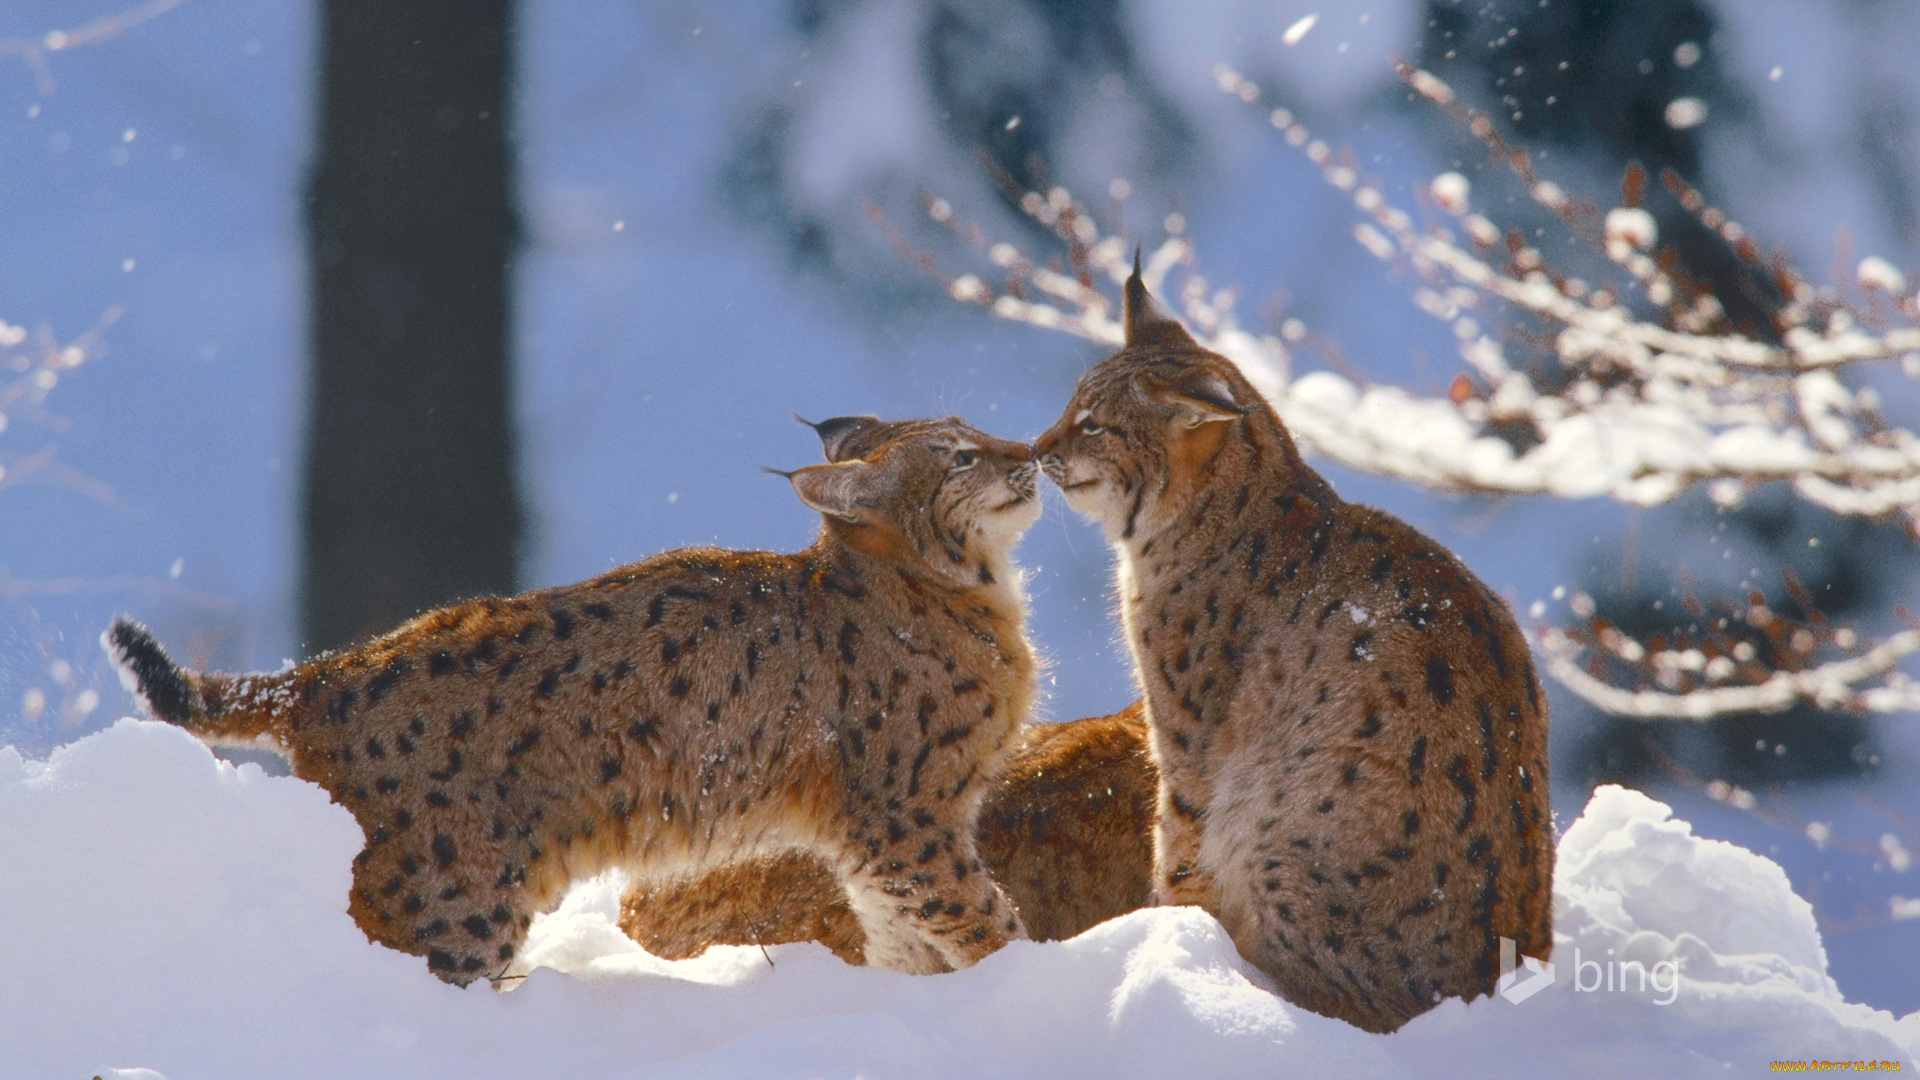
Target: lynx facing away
{"x":1066,"y":830}
{"x":694,"y":708}
{"x":1351,"y":741}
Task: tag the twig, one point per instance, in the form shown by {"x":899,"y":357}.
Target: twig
{"x":33,"y":51}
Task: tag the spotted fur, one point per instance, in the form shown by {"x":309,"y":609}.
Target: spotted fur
{"x":1351,"y":739}
{"x":1066,"y":830}
{"x":688,"y":710}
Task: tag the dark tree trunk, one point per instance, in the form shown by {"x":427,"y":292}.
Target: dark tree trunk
{"x":410,"y":494}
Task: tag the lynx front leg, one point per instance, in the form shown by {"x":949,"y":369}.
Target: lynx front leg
{"x":927,"y":904}
{"x":893,"y":942}
{"x":1177,"y":875}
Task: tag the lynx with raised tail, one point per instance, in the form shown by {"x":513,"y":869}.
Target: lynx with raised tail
{"x":686,"y":711}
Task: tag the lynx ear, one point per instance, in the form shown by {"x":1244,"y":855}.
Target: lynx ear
{"x":841,"y":490}
{"x":1203,"y":397}
{"x":1145,"y":325}
{"x":837,"y":432}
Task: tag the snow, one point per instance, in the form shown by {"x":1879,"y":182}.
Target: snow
{"x":1631,"y":226}
{"x":1877,"y":273}
{"x":1450,"y":191}
{"x":173,"y":915}
{"x":1686,"y":112}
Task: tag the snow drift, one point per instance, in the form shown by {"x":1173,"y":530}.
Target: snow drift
{"x":172,"y":915}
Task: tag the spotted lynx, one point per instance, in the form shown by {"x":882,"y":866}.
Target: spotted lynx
{"x":1066,"y":829}
{"x":1349,"y":732}
{"x":694,"y":708}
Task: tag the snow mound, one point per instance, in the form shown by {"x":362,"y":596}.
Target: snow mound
{"x":171,"y":915}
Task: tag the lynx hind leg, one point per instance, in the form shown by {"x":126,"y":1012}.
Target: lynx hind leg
{"x":1339,"y":913}
{"x":463,"y":902}
{"x":770,"y":900}
{"x":936,"y":910}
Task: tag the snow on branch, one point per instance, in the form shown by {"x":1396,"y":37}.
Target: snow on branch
{"x":1768,"y":665}
{"x":1832,"y":686}
{"x":1648,"y":388}
{"x":1646,"y":402}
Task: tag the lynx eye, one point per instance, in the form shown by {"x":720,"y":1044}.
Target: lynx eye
{"x":1090,"y":428}
{"x":963,"y":459}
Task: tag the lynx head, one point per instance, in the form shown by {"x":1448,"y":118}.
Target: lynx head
{"x":1144,"y":429}
{"x":937,"y":495}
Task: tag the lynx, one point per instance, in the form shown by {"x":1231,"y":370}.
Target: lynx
{"x":1066,"y":830}
{"x":694,"y":708}
{"x":1350,"y":737}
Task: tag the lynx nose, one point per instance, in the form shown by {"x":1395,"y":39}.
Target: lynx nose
{"x":1043,"y":447}
{"x":1017,"y":453}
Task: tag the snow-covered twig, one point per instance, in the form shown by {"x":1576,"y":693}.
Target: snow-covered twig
{"x":1749,"y":660}
{"x":1650,"y":389}
{"x":1645,"y":408}
{"x":1840,"y":685}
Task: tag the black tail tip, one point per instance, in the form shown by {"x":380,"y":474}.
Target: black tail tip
{"x":147,"y":672}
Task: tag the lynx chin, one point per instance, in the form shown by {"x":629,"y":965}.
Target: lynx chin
{"x":1351,"y":741}
{"x":687,"y":711}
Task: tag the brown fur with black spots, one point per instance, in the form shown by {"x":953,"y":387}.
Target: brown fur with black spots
{"x":688,"y":710}
{"x":1351,"y":739}
{"x":1066,"y":830}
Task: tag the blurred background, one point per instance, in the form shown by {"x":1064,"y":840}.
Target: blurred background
{"x":369,"y":306}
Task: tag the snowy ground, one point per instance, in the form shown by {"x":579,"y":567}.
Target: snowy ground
{"x":163,"y":176}
{"x":168,"y":914}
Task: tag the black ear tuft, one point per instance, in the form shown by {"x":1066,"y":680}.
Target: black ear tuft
{"x":1146,"y":326}
{"x":840,"y":435}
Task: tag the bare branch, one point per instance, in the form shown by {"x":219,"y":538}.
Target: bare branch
{"x":34,"y":51}
{"x":32,"y":365}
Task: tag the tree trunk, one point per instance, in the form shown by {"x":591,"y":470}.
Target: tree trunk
{"x":410,"y":494}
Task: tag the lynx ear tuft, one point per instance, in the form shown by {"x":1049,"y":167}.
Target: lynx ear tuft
{"x":1203,"y":397}
{"x":1145,"y":324}
{"x":837,"y":433}
{"x":840,"y":490}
